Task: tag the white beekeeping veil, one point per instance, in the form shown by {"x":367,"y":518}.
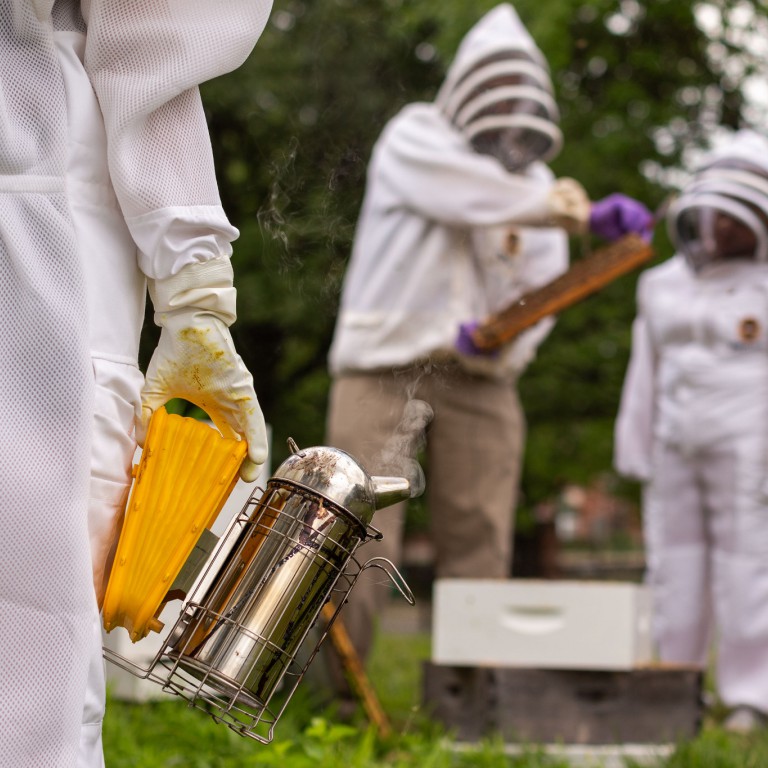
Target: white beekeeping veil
{"x":731,"y":184}
{"x":498,"y":92}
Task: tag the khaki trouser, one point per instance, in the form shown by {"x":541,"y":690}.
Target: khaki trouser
{"x":473,"y":457}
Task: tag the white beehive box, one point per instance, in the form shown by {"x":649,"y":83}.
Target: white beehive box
{"x":542,"y":624}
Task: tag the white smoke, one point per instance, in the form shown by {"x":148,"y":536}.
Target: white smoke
{"x":399,"y":457}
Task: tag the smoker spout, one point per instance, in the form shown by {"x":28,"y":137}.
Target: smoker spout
{"x":390,"y":490}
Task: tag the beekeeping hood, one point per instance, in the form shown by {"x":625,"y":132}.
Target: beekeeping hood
{"x":498,"y":92}
{"x":731,"y":181}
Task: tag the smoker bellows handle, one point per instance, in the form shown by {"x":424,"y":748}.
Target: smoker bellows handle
{"x":583,"y":278}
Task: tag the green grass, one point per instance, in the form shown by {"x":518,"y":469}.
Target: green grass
{"x":168,"y":734}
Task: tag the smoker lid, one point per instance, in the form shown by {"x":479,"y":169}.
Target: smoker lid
{"x":334,"y":474}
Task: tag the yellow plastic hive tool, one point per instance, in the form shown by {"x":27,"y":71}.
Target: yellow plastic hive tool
{"x":186,"y":472}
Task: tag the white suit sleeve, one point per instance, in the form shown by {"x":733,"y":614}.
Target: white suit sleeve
{"x":145,"y":60}
{"x":427,"y":166}
{"x":633,"y":434}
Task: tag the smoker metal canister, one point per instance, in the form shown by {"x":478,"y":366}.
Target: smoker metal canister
{"x":290,"y":555}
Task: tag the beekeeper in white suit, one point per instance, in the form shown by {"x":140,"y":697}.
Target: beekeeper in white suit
{"x":693,"y":426}
{"x":460,"y":217}
{"x":107,"y":185}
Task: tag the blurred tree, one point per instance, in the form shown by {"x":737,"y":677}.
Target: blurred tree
{"x":293,"y":129}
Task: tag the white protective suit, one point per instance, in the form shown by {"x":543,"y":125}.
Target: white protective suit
{"x":106,"y":179}
{"x":693,"y":427}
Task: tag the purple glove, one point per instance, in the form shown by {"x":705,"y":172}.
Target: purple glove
{"x":618,"y":215}
{"x":466,"y":345}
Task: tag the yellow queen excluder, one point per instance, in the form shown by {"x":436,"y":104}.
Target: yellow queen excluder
{"x":186,"y":472}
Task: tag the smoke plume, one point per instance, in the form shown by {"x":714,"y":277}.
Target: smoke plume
{"x":399,"y":456}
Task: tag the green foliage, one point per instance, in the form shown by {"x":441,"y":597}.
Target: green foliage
{"x":717,"y":749}
{"x":292,"y":132}
{"x":169,"y":734}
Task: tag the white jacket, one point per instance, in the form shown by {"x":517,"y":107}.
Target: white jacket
{"x":426,"y":255}
{"x":698,"y":371}
{"x":431,"y":249}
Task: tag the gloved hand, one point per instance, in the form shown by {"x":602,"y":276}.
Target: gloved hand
{"x":618,"y":215}
{"x":466,"y":345}
{"x":569,"y":205}
{"x":196,"y":360}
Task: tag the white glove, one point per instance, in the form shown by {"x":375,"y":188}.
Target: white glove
{"x":569,"y":206}
{"x":196,"y":360}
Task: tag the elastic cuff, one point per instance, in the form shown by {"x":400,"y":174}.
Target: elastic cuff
{"x":206,"y":286}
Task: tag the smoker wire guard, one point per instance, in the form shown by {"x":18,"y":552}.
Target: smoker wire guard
{"x":235,"y":706}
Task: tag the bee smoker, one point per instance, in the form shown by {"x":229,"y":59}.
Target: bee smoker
{"x":234,"y":651}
